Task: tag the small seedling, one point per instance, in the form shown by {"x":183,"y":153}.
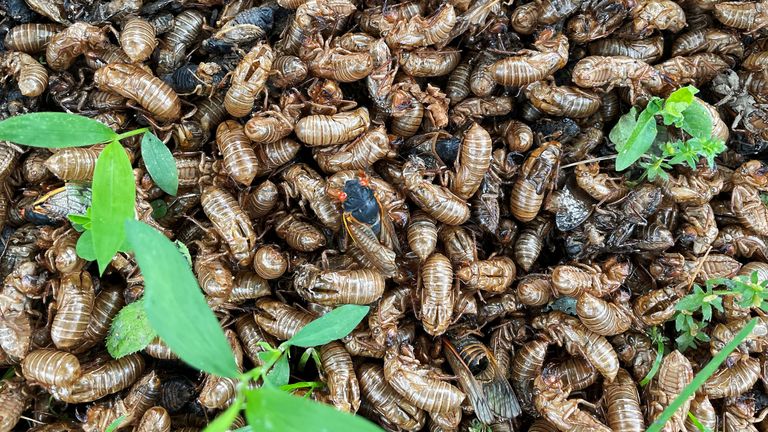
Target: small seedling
{"x":749,"y":291}
{"x":637,"y":136}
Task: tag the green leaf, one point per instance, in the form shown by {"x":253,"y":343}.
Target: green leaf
{"x":159,"y":208}
{"x":130,"y":331}
{"x":676,"y":103}
{"x":640,"y":139}
{"x":701,"y":377}
{"x":160,"y":163}
{"x":334,"y":325}
{"x":226,"y":418}
{"x":269,"y":409}
{"x":114,"y":197}
{"x":620,"y":133}
{"x":280,"y":373}
{"x":656,"y":363}
{"x":83,"y":220}
{"x":184,"y":251}
{"x":84,"y":246}
{"x":176,"y":308}
{"x":54,"y":130}
{"x":697,"y":121}
{"x":113,"y":426}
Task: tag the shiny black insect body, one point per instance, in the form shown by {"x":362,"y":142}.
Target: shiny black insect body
{"x":361,"y":203}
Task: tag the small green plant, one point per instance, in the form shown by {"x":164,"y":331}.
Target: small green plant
{"x":113,"y":188}
{"x":658,"y":339}
{"x":173,"y":306}
{"x":749,"y":291}
{"x":701,"y":377}
{"x":635,"y":135}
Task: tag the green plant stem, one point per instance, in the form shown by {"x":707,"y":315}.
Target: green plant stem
{"x":656,"y":363}
{"x":131,"y":133}
{"x":701,"y":377}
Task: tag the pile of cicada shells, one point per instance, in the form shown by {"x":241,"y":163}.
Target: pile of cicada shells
{"x":445,"y":162}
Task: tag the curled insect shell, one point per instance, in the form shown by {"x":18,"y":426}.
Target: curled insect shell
{"x":340,"y":377}
{"x":30,"y":38}
{"x":550,"y":398}
{"x":288,"y":71}
{"x":259,"y":201}
{"x":138,"y":39}
{"x":75,"y":164}
{"x":361,"y":153}
{"x":534,"y":290}
{"x":437,"y":298}
{"x":239,"y":158}
{"x":50,"y":367}
{"x":458,"y":86}
{"x":623,"y":404}
{"x":214,"y":275}
{"x":14,"y":397}
{"x":31,"y":76}
{"x":65,"y":46}
{"x":521,"y":70}
{"x":133,"y":82}
{"x":155,"y":419}
{"x":534,"y":180}
{"x":438,"y":201}
{"x":396,"y":410}
{"x":159,"y":350}
{"x":673,"y":376}
{"x":576,"y":373}
{"x":298,"y":234}
{"x":730,"y":381}
{"x":429,"y":63}
{"x":140,"y":397}
{"x":107,"y":304}
{"x":187,"y":26}
{"x":248,"y":80}
{"x":422,"y":235}
{"x":334,"y":287}
{"x":74,"y":305}
{"x":323,"y":130}
{"x":278,"y":319}
{"x":219,"y":392}
{"x":110,"y":377}
{"x":230,"y":222}
{"x":492,"y":275}
{"x":269,"y":262}
{"x":420,"y":384}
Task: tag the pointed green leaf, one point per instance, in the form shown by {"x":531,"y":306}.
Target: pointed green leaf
{"x":620,"y":133}
{"x":84,"y":247}
{"x":160,"y":163}
{"x":679,"y":100}
{"x":130,"y":331}
{"x":639,"y":140}
{"x":114,"y":197}
{"x":697,"y":122}
{"x":271,"y":410}
{"x":176,"y":307}
{"x":54,"y":130}
{"x":280,"y":373}
{"x":226,"y":418}
{"x":334,"y":325}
